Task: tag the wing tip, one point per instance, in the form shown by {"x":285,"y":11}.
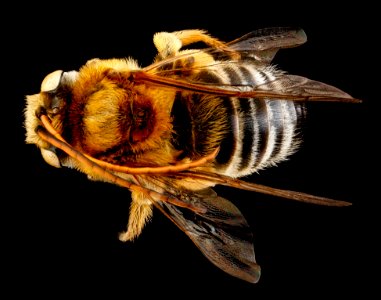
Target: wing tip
{"x":302,"y":36}
{"x":256,"y":273}
{"x":253,"y":274}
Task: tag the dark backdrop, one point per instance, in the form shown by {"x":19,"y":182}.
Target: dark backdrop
{"x":61,"y":229}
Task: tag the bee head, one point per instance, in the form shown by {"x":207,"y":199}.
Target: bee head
{"x":52,"y":102}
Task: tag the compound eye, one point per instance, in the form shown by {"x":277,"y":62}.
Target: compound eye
{"x":51,"y":81}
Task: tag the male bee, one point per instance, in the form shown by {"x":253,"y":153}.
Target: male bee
{"x":171,"y":131}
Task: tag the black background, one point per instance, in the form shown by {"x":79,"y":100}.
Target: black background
{"x":61,"y":229}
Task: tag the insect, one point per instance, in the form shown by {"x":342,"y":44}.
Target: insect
{"x":171,"y":131}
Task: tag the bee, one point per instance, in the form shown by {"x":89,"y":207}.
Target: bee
{"x":171,"y":131}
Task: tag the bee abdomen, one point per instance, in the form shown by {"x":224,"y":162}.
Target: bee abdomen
{"x":261,"y":132}
{"x":251,"y":133}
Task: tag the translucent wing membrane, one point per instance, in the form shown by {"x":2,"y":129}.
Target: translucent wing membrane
{"x":263,"y":44}
{"x":293,"y":87}
{"x":254,"y":187}
{"x":221,"y":233}
{"x":297,"y":89}
{"x":260,"y":45}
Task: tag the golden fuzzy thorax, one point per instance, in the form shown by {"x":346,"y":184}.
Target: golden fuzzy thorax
{"x":114,"y":113}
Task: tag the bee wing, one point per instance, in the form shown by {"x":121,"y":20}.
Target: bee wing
{"x":284,"y":87}
{"x":180,"y":73}
{"x":221,"y":233}
{"x":293,"y":87}
{"x":263,"y":44}
{"x":216,"y":226}
{"x":214,"y":178}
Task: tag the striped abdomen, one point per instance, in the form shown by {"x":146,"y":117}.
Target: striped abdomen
{"x":252,"y":133}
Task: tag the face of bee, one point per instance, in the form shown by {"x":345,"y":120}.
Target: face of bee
{"x":49,"y":101}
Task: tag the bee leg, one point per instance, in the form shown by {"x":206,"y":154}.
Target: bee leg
{"x":140,"y":213}
{"x":169,"y":44}
{"x":191,"y":36}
